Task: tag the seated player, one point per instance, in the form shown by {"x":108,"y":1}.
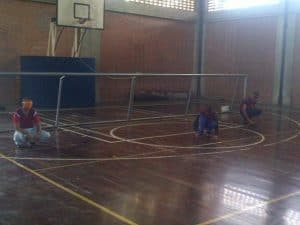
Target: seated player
{"x":206,"y":121}
{"x":248,"y":109}
{"x":28,"y":126}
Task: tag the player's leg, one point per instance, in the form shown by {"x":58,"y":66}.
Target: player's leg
{"x":256,"y":112}
{"x":45,"y":135}
{"x":253,"y":112}
{"x":20,"y":139}
{"x":245,"y":120}
{"x":202,"y":124}
{"x":212,"y":127}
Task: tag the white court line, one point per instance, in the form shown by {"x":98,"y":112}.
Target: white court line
{"x":166,"y":135}
{"x":85,"y":135}
{"x":120,"y":141}
{"x":81,"y":134}
{"x":112,"y":133}
{"x":86,"y":129}
{"x":287,"y":118}
{"x":108,"y":135}
{"x":89,"y":130}
{"x":289,"y":138}
{"x":283,"y":141}
{"x":94,"y":162}
{"x":154,"y":112}
{"x":171,"y":135}
{"x":134,"y":140}
{"x":144,"y":138}
{"x":135,"y":158}
{"x":130,"y":158}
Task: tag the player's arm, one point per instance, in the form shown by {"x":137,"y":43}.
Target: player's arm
{"x":37,"y":123}
{"x":244,"y":111}
{"x":38,"y":127}
{"x":16,"y":122}
{"x":19,"y":129}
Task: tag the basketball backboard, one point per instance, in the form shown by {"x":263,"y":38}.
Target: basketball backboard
{"x":81,"y":13}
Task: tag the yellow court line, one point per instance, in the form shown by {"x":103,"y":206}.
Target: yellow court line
{"x":83,"y":134}
{"x":229,"y":215}
{"x":65,"y":166}
{"x":97,"y":161}
{"x":69,"y":191}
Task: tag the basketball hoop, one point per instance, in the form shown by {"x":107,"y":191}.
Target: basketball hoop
{"x":80,"y":13}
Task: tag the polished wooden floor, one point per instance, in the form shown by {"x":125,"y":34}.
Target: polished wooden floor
{"x":154,"y":172}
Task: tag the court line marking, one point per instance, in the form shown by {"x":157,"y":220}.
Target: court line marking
{"x":129,"y":158}
{"x":229,"y":215}
{"x":221,"y":218}
{"x":114,"y":159}
{"x":269,"y":202}
{"x":64,"y":166}
{"x":93,"y":137}
{"x":110,"y":142}
{"x":173,"y":179}
{"x":92,"y":162}
{"x":145,"y":111}
{"x":149,"y":137}
{"x":103,"y":134}
{"x":112,"y":133}
{"x":289,"y":138}
{"x":86,"y":129}
{"x":85,"y":135}
{"x":107,"y":107}
{"x":104,"y":107}
{"x":69,"y":191}
{"x":81,"y":134}
{"x":166,"y":135}
{"x":284,"y":140}
{"x":108,"y":135}
{"x":127,"y":140}
{"x":270,"y":144}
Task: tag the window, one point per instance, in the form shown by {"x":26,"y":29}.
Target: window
{"x":187,"y":5}
{"x":218,"y":5}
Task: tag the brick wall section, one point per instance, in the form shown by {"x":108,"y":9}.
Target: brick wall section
{"x":24,"y":28}
{"x":132,"y":43}
{"x":242,"y":46}
{"x":129,"y":43}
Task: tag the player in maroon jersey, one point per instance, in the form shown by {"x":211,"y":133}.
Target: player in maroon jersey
{"x":248,"y":108}
{"x":28,"y":125}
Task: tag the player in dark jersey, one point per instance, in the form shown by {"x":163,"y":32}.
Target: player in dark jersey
{"x":206,"y":120}
{"x":28,"y":125}
{"x":248,"y":108}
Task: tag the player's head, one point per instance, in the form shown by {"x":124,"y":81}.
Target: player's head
{"x":255,"y":94}
{"x":27,"y":103}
